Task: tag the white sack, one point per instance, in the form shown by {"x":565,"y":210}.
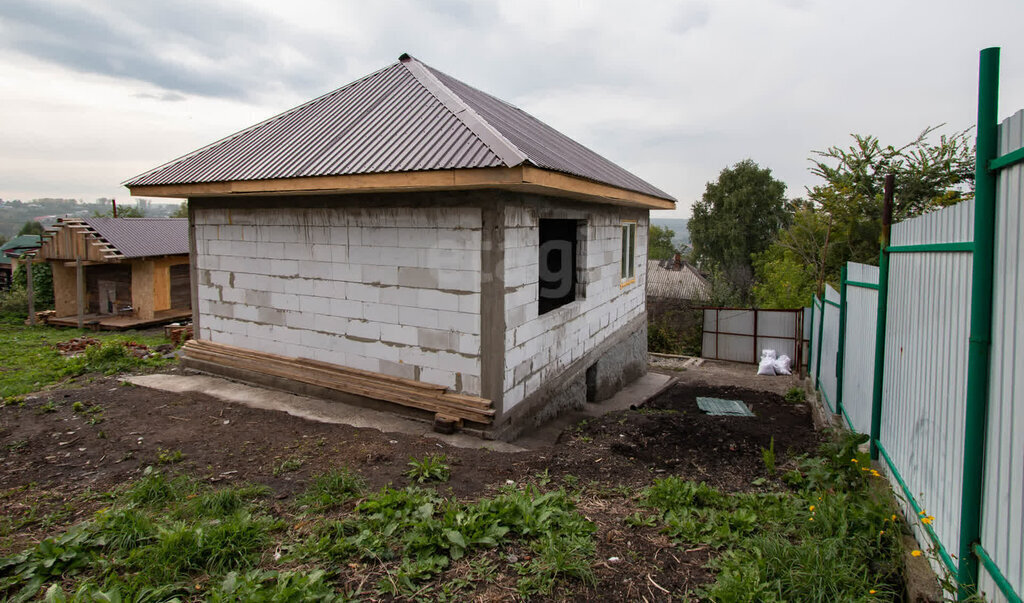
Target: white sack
{"x":768,"y":354}
{"x":767,"y":367}
{"x":782,"y":365}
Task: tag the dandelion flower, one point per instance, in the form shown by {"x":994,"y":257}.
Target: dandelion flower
{"x":927,"y":520}
{"x":882,"y":533}
{"x":871,"y":592}
{"x":876,"y":473}
{"x":894,"y":517}
{"x":854,"y":461}
{"x":810,"y":508}
{"x":810,"y":519}
{"x":915,"y":553}
{"x":923,"y":513}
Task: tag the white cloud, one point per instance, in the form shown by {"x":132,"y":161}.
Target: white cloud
{"x":96,"y":92}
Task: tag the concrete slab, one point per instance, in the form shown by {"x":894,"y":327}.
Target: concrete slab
{"x":634,"y":394}
{"x":311,"y":409}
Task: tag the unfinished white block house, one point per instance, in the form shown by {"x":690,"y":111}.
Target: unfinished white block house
{"x":412,"y":240}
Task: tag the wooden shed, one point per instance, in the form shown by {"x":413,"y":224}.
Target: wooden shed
{"x":119,"y":273}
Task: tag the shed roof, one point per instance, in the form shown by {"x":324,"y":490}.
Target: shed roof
{"x":666,"y":280}
{"x":407,"y":117}
{"x":20,"y":244}
{"x":113,"y":239}
{"x":141,"y":237}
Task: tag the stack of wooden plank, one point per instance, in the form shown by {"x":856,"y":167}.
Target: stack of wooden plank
{"x":406,"y":392}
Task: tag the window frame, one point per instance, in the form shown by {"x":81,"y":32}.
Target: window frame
{"x":627,"y":261}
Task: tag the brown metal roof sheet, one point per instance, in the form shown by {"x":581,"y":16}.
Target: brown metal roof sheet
{"x":142,"y":237}
{"x":405,"y":117}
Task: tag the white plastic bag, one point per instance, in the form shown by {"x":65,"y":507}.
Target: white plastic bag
{"x":782,"y":365}
{"x":768,"y":354}
{"x":766,"y":367}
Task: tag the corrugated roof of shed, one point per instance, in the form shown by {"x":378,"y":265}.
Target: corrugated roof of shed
{"x":406,"y":117}
{"x":142,"y":237}
{"x":667,"y":282}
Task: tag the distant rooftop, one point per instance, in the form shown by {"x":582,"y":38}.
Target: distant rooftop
{"x":407,"y":117}
{"x":667,"y":280}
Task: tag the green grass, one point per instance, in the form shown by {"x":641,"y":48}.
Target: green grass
{"x":30,"y":362}
{"x":830,"y":538}
{"x":829,"y":534}
{"x":431,"y":468}
{"x":331,"y":490}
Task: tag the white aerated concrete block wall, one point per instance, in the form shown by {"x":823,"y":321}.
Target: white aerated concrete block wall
{"x":390,"y":290}
{"x":539,"y":347}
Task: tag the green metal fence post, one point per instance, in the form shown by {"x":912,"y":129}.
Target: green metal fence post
{"x":810,"y":337}
{"x":821,"y":332}
{"x":883,"y":311}
{"x":978,"y":350}
{"x":841,"y":352}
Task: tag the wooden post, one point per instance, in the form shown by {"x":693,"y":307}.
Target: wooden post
{"x":31,"y":293}
{"x":80,"y":291}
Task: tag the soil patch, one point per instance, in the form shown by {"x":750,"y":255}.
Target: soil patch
{"x":61,"y":448}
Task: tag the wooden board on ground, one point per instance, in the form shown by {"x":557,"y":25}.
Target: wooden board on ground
{"x":406,"y":392}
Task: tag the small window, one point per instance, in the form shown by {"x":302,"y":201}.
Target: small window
{"x":557,"y":262}
{"x":628,"y":252}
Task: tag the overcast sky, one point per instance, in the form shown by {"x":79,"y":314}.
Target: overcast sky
{"x":96,"y":92}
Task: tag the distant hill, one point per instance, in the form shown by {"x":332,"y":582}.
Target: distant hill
{"x":678,"y":226}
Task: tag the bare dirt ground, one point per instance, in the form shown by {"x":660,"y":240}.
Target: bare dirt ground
{"x":54,"y":453}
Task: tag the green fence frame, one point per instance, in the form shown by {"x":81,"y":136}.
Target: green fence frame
{"x":965,"y":564}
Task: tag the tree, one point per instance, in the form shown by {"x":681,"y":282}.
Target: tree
{"x":182,"y":211}
{"x":31,"y":227}
{"x":124,"y":211}
{"x":737,"y":217}
{"x":848,"y":206}
{"x":787,"y":273}
{"x":659,"y":243}
{"x":928,"y":177}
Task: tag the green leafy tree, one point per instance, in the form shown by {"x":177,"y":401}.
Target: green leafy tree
{"x":42,"y":283}
{"x":738,"y":216}
{"x":182,"y":211}
{"x":31,"y":227}
{"x":929,"y":176}
{"x":659,"y":243}
{"x":848,"y":207}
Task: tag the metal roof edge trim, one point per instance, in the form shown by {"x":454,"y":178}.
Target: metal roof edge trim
{"x":510,"y":154}
{"x":127,"y":183}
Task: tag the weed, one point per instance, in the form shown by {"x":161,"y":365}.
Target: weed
{"x":331,"y":489}
{"x":292,"y":463}
{"x":50,"y":406}
{"x":431,"y":468}
{"x":639,"y":520}
{"x":543,"y":478}
{"x":168,"y":457}
{"x":154,"y":489}
{"x":557,"y":556}
{"x":768,"y":457}
{"x":78,"y":407}
{"x":12,"y":401}
{"x":261,"y":586}
{"x":17,"y":445}
{"x":222,"y":502}
{"x":795,"y":395}
{"x":831,"y":538}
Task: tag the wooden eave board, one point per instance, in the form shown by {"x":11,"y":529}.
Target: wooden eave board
{"x":522,"y":178}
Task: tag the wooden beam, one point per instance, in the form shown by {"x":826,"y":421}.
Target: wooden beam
{"x":30,"y":290}
{"x":523,"y":178}
{"x":80,"y":292}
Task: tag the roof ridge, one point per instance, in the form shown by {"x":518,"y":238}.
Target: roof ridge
{"x":510,"y":154}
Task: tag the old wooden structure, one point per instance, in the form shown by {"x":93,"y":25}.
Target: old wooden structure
{"x":118,"y":273}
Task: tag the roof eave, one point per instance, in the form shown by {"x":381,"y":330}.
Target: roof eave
{"x":522,"y":178}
